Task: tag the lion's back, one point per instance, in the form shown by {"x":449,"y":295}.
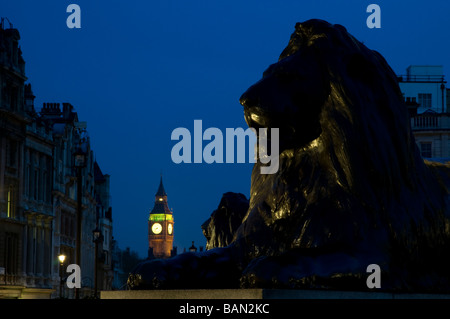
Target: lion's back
{"x":441,"y":170}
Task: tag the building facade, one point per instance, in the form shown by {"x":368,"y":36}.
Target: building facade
{"x":39,"y":189}
{"x":26,"y":218}
{"x":69,"y":136}
{"x":426,"y":96}
{"x":426,"y":83}
{"x":106,"y":245}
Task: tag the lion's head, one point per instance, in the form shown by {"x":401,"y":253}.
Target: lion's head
{"x":330,"y":89}
{"x":351,"y":176}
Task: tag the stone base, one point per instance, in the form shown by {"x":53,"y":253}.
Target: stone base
{"x":261,"y":294}
{"x":22,"y":292}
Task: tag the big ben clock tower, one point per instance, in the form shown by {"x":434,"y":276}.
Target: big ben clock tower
{"x":160,"y":226}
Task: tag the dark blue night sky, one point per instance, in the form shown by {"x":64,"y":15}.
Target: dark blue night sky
{"x":136,"y":70}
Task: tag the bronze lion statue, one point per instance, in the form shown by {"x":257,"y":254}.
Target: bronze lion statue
{"x":351,"y":189}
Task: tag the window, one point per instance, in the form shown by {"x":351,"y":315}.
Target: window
{"x":14,"y":98}
{"x":160,"y":217}
{"x":11,"y":153}
{"x":425,"y":100}
{"x":63,"y":223}
{"x":11,"y":253}
{"x":105,"y":242}
{"x":44,"y":187}
{"x":425,"y":149}
{"x":28,"y":181}
{"x":10,"y":201}
{"x":36,"y":185}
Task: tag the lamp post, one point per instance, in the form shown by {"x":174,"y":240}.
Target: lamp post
{"x":61,"y":258}
{"x":97,"y":238}
{"x":80,"y":162}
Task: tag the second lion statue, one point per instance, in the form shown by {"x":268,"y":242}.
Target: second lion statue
{"x":351,"y":189}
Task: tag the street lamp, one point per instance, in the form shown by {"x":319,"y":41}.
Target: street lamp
{"x":80,"y":162}
{"x":61,"y":258}
{"x":97,"y":234}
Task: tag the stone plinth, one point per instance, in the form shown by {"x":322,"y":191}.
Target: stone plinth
{"x":261,"y":294}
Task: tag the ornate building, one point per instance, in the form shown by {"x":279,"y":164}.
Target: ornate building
{"x":160,"y":227}
{"x":425,"y":93}
{"x":105,"y":262}
{"x":26,"y":217}
{"x":39,"y":188}
{"x":70,"y":136}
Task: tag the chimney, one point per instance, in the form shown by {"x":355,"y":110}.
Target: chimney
{"x":67,"y":109}
{"x":51,"y":110}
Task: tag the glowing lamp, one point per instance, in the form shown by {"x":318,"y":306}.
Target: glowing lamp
{"x":61,"y":258}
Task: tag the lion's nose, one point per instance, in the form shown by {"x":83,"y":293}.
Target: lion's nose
{"x":243,"y":99}
{"x":247,"y":99}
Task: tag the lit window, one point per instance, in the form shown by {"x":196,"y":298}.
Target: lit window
{"x":160,"y":199}
{"x":160,"y":217}
{"x":9,"y":203}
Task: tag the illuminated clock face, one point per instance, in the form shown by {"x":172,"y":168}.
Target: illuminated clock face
{"x":156,"y":228}
{"x":170,"y":229}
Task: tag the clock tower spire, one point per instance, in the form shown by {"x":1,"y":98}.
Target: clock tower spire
{"x":160,"y":226}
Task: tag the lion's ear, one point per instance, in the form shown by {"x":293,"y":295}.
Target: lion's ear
{"x":361,"y":68}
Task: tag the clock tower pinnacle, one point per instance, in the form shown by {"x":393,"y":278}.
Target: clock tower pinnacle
{"x":160,"y":226}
